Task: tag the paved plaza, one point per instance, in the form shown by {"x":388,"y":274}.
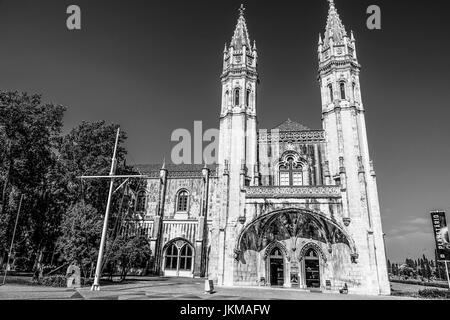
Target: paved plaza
{"x":171,"y":289}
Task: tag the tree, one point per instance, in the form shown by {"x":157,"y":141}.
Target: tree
{"x":80,"y":239}
{"x":129,"y":252}
{"x":29,"y":137}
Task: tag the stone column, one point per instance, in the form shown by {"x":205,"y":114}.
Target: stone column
{"x":317,"y":165}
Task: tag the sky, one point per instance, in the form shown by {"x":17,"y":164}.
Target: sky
{"x":154,"y":66}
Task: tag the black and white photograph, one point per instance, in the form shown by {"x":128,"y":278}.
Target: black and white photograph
{"x":241,"y":152}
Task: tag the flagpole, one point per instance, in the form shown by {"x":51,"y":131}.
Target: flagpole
{"x":12,"y":240}
{"x":96,"y":285}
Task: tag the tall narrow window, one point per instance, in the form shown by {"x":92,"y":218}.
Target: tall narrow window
{"x":182,"y":201}
{"x":342,"y":86}
{"x":247,"y":98}
{"x":354,"y":90}
{"x":330,"y":90}
{"x":140,"y":202}
{"x":236,"y":97}
{"x":186,"y":258}
{"x":226,"y":98}
{"x":172,"y":257}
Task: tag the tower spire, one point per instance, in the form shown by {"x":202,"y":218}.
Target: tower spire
{"x":334,"y":28}
{"x":241,"y":36}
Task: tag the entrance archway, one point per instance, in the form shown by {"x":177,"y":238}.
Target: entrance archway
{"x":312,"y":269}
{"x":178,"y":259}
{"x":276,"y":267}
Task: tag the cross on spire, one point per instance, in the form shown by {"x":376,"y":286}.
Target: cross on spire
{"x":241,"y":10}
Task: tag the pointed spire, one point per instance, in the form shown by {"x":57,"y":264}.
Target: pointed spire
{"x":225,"y":49}
{"x":254,"y":45}
{"x":334,"y":29}
{"x":320,"y":39}
{"x":352,"y":37}
{"x":164,"y":164}
{"x":240,"y":36}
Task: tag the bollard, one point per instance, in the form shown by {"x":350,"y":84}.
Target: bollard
{"x":209,"y":286}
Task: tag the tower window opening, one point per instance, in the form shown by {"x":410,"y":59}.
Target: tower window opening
{"x":226,"y":98}
{"x":330,"y":90}
{"x":236,"y":97}
{"x":247,"y":98}
{"x":354,"y":90}
{"x":342,"y":87}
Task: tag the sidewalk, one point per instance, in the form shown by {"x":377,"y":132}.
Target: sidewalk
{"x":173,"y":289}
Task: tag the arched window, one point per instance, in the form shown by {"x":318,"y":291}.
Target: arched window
{"x":330,"y":90}
{"x":291,"y":174}
{"x":182,"y":201}
{"x":247,"y":98}
{"x":172,"y":257}
{"x":141,"y":200}
{"x":178,"y":257}
{"x":237,"y":92}
{"x":342,"y":87}
{"x":354,"y":90}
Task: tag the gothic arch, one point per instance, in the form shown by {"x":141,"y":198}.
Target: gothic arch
{"x":275,"y":244}
{"x":316,"y":247}
{"x":254,"y":234}
{"x":180,"y":242}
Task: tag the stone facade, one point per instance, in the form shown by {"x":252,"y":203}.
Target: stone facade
{"x":290,"y":206}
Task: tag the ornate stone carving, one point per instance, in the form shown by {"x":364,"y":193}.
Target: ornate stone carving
{"x":346,"y":221}
{"x":312,"y":245}
{"x":294,"y":136}
{"x":293,"y":192}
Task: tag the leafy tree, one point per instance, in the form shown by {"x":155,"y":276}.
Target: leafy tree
{"x":129,"y":252}
{"x":81,"y":229}
{"x":29,"y":137}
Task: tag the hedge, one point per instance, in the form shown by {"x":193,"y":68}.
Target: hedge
{"x":434,"y":293}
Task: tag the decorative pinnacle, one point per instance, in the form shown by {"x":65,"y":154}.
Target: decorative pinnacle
{"x":241,"y":10}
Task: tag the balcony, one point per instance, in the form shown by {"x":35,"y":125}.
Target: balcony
{"x":293,"y":192}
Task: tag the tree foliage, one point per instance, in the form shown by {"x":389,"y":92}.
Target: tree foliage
{"x":80,"y":240}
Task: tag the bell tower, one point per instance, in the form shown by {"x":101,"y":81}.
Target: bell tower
{"x":347,"y":151}
{"x":238,"y":109}
{"x":237,"y":156}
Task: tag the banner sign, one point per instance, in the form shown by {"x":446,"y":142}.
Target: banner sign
{"x":441,"y":235}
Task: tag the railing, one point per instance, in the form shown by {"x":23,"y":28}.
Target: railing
{"x":293,"y":192}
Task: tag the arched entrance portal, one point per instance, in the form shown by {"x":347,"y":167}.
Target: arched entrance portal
{"x":312,"y":269}
{"x":178,"y":259}
{"x":276,"y":269}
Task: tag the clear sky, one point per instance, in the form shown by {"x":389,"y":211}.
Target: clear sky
{"x":154,"y":66}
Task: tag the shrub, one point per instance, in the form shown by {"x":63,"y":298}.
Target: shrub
{"x":54,"y":281}
{"x":434,"y":294}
